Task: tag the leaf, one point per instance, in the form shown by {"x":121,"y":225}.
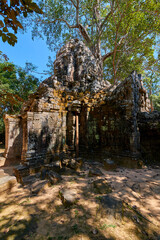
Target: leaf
{"x":12,"y":43}
{"x":12,"y":14}
{"x":19,"y":24}
{"x":35,"y":8}
{"x":4,"y":37}
{"x":8,"y":68}
{"x":12,"y":36}
{"x":33,"y":5}
{"x":5,"y":57}
{"x":1,"y":23}
{"x":5,"y":29}
{"x":25,"y":14}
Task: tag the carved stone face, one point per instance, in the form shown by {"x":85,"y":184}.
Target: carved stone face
{"x":74,"y":63}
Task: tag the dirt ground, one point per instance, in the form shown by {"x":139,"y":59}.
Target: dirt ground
{"x":42,"y":216}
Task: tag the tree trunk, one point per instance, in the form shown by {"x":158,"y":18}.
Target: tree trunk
{"x":97,"y":49}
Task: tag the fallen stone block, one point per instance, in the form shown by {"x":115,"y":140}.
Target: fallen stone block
{"x":55,"y":166}
{"x":101,"y":186}
{"x":73,"y":163}
{"x":53,"y":177}
{"x":34,"y":170}
{"x":7,"y":182}
{"x":95,"y":172}
{"x":20,"y":172}
{"x":68,"y":197}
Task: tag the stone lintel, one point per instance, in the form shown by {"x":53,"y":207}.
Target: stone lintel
{"x":12,"y":118}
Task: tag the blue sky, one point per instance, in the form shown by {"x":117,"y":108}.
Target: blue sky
{"x":27,"y":50}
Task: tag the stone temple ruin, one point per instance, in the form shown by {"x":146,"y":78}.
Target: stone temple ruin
{"x":74,"y":111}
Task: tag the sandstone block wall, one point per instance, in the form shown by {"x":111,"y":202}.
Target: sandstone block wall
{"x":13,"y":138}
{"x":44,"y":134}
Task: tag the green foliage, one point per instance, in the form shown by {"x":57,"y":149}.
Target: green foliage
{"x":156,"y":101}
{"x":140,"y":21}
{"x":16,"y":84}
{"x":10,"y":12}
{"x":122,"y":32}
{"x":152,"y":80}
{"x":105,"y":226}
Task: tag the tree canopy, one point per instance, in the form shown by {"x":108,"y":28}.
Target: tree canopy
{"x":16,"y":84}
{"x":152,"y":81}
{"x":120,"y":33}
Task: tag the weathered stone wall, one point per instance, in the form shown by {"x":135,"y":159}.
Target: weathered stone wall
{"x":47,"y":98}
{"x":44,"y":123}
{"x":13,"y":138}
{"x":149,"y":127}
{"x":44,"y":134}
{"x":112,"y":122}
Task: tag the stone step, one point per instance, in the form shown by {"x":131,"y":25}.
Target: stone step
{"x":7,"y":182}
{"x":8,"y":170}
{"x":2,"y":161}
{"x":2,"y":173}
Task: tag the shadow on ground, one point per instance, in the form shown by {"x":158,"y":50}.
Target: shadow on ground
{"x":106,"y":216}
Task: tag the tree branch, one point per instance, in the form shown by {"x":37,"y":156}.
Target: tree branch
{"x":121,"y":40}
{"x":62,"y":20}
{"x":82,"y":30}
{"x":78,"y":25}
{"x":112,"y":52}
{"x":73,"y":3}
{"x":84,"y":33}
{"x":107,"y":55}
{"x":131,"y":48}
{"x":77,"y":13}
{"x":104,"y":21}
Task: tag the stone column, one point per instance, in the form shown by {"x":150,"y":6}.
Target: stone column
{"x":64,"y":130}
{"x":25,"y":138}
{"x":135,"y":97}
{"x":13,"y":138}
{"x":27,"y":129}
{"x":70,"y":129}
{"x":77,"y":135}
